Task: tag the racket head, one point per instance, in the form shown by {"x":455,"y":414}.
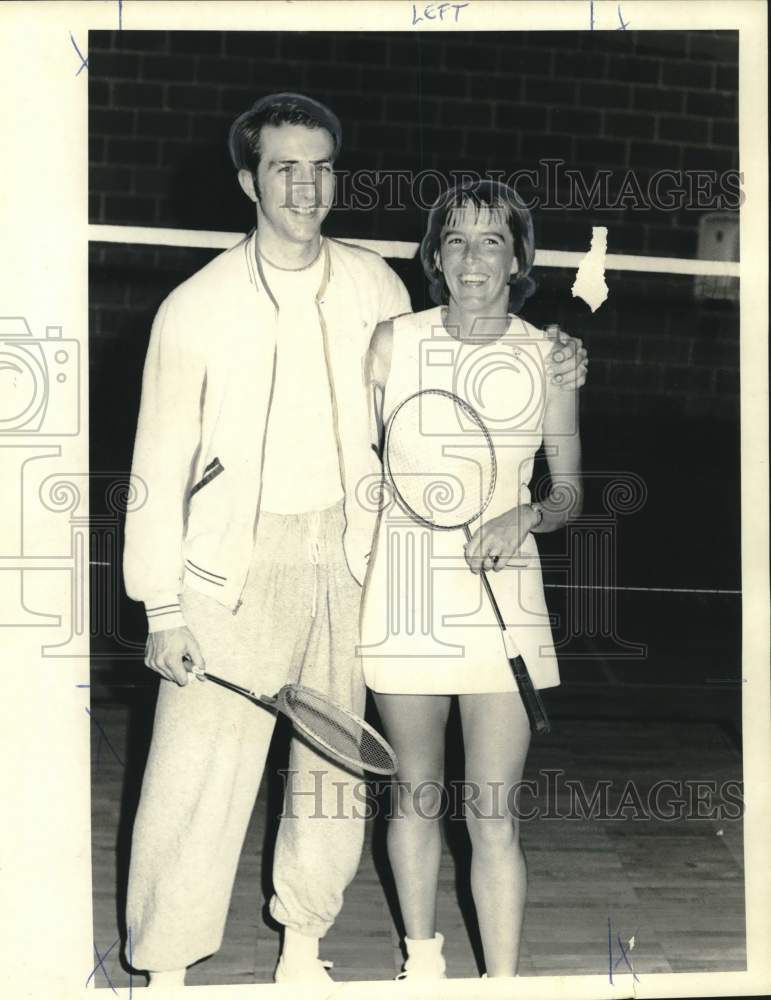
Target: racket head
{"x":440,"y":459}
{"x":340,"y":733}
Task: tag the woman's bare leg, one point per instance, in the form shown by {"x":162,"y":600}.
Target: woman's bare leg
{"x":415,"y":727}
{"x":496,"y":736}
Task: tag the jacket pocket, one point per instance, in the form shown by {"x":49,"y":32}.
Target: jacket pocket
{"x":212,"y":470}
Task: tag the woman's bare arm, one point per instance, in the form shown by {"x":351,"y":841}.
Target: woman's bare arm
{"x":562,"y":443}
{"x":493,"y":544}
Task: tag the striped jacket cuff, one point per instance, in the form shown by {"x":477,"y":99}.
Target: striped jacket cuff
{"x":164,"y":616}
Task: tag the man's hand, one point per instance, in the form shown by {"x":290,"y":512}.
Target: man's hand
{"x":492,"y":545}
{"x":175,"y":655}
{"x":568,"y":361}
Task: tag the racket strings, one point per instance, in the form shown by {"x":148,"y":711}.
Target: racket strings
{"x":440,"y":459}
{"x":342,"y":733}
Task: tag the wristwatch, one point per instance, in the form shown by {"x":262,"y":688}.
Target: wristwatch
{"x":538,"y":510}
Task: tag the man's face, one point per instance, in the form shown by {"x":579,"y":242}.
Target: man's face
{"x":296,"y":181}
{"x":476,"y":253}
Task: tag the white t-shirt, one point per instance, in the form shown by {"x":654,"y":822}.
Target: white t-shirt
{"x":301,"y":470}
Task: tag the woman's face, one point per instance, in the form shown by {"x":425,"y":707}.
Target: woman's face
{"x":476,"y":254}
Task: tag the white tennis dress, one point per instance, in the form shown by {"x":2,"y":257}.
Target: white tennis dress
{"x":427,"y":626}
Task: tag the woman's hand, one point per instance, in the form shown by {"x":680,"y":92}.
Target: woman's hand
{"x":496,"y":541}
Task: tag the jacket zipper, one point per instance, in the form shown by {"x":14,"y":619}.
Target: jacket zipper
{"x":240,"y":600}
{"x":330,"y":376}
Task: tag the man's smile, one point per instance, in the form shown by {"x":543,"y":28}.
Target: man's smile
{"x":307,"y":211}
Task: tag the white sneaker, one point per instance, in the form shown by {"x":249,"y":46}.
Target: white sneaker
{"x":310,"y":971}
{"x":424,"y":959}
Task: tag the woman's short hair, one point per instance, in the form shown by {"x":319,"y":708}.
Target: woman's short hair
{"x":278,"y":109}
{"x":481,"y":194}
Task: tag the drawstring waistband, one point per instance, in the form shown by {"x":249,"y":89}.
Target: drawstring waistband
{"x":307,"y":539}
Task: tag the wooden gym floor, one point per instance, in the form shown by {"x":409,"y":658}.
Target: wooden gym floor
{"x":675,"y":886}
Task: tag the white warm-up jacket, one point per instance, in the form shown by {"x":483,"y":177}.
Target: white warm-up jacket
{"x":206,"y":394}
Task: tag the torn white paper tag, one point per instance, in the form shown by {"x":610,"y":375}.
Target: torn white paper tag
{"x":590,"y":277}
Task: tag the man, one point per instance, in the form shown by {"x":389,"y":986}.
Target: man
{"x":251,"y":548}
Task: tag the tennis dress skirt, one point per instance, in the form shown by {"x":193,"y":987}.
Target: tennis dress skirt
{"x":427,"y":626}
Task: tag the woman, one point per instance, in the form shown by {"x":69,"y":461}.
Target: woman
{"x":424,"y":643}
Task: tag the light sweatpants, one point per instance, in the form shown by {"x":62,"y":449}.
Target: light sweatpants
{"x":299,"y":617}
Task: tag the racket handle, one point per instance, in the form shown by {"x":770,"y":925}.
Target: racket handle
{"x":531,"y":699}
{"x":264,"y":699}
{"x":536,"y":713}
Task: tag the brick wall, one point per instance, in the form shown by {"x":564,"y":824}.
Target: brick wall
{"x":597,"y":100}
{"x":161,"y":104}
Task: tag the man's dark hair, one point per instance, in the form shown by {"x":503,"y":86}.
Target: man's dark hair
{"x":277,"y":109}
{"x":481,"y":195}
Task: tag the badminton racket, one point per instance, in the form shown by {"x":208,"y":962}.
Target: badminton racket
{"x":443,"y":483}
{"x":329,"y":727}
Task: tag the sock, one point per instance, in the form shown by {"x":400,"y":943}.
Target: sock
{"x":299,"y":947}
{"x":173,"y":977}
{"x":424,"y":956}
{"x":423,"y":947}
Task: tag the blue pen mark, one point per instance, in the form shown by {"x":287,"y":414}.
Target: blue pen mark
{"x":624,"y":24}
{"x":103,"y":736}
{"x":591,"y":15}
{"x":83,"y":59}
{"x":82,"y":685}
{"x":624,"y":956}
{"x":100,"y":965}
